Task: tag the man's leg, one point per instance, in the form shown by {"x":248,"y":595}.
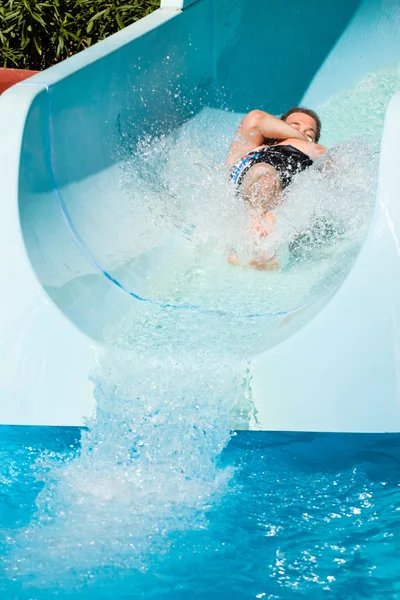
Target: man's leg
{"x":261,"y":187}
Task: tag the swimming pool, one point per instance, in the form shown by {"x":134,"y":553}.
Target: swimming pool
{"x":292,"y":515}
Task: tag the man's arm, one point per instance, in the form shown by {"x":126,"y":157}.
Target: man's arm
{"x":254,"y":129}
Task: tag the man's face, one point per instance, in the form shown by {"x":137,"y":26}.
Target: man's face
{"x":303,"y":123}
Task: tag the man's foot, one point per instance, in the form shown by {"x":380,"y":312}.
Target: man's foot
{"x":264,"y":263}
{"x":233,"y":260}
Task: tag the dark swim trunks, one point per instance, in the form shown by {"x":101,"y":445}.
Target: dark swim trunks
{"x":287,"y":160}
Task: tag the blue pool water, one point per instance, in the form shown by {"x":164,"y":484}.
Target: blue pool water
{"x":302,"y":515}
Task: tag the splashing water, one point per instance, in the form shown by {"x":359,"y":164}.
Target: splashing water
{"x":146,"y":469}
{"x":207,"y":220}
{"x":171,"y":384}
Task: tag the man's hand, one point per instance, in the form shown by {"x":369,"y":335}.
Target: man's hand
{"x":312,"y":149}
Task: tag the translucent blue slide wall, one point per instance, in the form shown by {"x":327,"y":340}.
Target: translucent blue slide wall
{"x":63,"y":210}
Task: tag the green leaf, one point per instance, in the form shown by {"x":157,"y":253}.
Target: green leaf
{"x":11,"y":15}
{"x":98,"y":15}
{"x":119,"y":21}
{"x":37,"y":46}
{"x":60,"y":46}
{"x":39,"y":20}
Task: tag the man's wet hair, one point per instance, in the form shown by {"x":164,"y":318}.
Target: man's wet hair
{"x":310,"y":113}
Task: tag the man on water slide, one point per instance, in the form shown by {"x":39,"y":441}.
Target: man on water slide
{"x":265,"y":154}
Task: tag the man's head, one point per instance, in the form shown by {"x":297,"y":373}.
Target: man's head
{"x":304,"y":120}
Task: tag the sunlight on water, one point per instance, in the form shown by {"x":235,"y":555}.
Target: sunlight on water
{"x":172,"y":383}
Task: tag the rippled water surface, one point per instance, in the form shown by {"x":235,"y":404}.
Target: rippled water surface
{"x":302,"y":515}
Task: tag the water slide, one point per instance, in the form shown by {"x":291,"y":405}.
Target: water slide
{"x":78,"y":252}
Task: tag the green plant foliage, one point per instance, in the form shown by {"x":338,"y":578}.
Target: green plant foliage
{"x":35,"y":34}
